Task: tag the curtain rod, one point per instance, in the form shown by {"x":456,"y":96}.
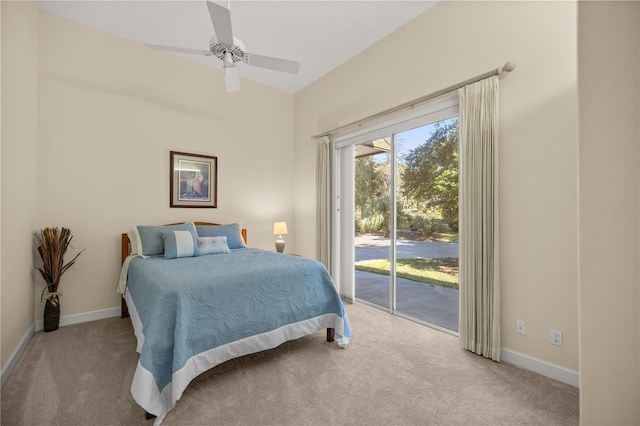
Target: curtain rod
{"x":508,"y":67}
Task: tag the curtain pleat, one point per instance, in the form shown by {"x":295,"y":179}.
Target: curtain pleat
{"x":479,"y":218}
{"x":323,"y":201}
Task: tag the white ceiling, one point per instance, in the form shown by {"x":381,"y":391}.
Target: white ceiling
{"x":319,"y":34}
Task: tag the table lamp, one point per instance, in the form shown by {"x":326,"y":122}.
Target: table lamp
{"x":280,"y":229}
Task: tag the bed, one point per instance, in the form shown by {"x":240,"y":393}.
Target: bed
{"x":193,"y":312}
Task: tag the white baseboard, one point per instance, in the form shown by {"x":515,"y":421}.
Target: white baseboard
{"x":17,"y":352}
{"x":556,"y":372}
{"x":83,"y":317}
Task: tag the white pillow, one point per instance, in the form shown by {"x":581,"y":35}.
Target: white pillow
{"x":212,"y":245}
{"x":133,"y":239}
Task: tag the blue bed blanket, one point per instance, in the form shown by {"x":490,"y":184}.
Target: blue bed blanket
{"x":190,"y":314}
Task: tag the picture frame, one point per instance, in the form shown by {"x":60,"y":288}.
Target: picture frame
{"x":193,"y":180}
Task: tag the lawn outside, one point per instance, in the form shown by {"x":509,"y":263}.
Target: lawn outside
{"x":439,"y":271}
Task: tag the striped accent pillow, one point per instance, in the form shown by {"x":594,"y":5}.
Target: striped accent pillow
{"x":179,"y":244}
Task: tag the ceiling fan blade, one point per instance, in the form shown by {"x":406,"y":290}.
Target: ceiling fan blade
{"x":231,"y":78}
{"x":276,"y":64}
{"x":180,"y":50}
{"x":221,"y":20}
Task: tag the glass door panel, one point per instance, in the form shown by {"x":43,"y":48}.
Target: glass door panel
{"x":372,"y":221}
{"x":427,"y":223}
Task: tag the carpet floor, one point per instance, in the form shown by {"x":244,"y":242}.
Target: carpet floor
{"x":394,"y":372}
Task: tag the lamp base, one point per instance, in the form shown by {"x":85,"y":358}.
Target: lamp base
{"x":280,"y":244}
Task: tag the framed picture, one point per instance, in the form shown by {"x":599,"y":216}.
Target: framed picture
{"x":193,"y":180}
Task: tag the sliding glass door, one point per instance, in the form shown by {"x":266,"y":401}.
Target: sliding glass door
{"x":405,"y":220}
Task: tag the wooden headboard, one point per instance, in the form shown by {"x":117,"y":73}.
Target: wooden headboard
{"x":126,"y":248}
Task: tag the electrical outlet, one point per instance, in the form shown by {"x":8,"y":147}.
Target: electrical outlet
{"x":556,"y":337}
{"x":520,"y":327}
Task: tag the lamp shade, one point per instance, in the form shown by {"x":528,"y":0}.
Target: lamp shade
{"x":280,"y":228}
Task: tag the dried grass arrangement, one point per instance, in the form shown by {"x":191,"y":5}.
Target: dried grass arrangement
{"x":52,"y":245}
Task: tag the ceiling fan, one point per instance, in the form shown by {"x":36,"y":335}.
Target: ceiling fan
{"x":230,"y":50}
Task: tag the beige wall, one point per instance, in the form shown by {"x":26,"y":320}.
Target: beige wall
{"x":101,"y":114}
{"x":609,"y":88}
{"x":19,"y":170}
{"x":111,"y":110}
{"x":451,"y":42}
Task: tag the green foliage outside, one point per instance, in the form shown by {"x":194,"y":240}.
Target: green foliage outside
{"x":371,"y":183}
{"x":373,"y":223}
{"x":430,"y":175}
{"x":426,"y":226}
{"x":376,"y":216}
{"x":428,"y":182}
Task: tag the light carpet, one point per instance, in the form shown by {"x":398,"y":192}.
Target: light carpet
{"x":394,"y":372}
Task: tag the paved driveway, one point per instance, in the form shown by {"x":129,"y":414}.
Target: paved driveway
{"x":371,"y":247}
{"x":433,"y":304}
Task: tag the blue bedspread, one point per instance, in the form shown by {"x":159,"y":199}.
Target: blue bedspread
{"x":190,"y":314}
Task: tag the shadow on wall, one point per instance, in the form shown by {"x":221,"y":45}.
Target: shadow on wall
{"x":133,"y":91}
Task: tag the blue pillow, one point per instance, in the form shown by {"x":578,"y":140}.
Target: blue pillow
{"x":150,"y":241}
{"x":213,"y":245}
{"x":232,"y":231}
{"x":180,"y":244}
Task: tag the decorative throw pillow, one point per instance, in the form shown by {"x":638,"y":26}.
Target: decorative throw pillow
{"x":179,"y":244}
{"x":232,"y":231}
{"x":212,"y":245}
{"x":150,"y":241}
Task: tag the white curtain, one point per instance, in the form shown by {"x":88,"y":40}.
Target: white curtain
{"x":479,"y":238}
{"x":343,"y":241}
{"x":323,"y":201}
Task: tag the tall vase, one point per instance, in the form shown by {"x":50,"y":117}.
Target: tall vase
{"x":52,"y":314}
